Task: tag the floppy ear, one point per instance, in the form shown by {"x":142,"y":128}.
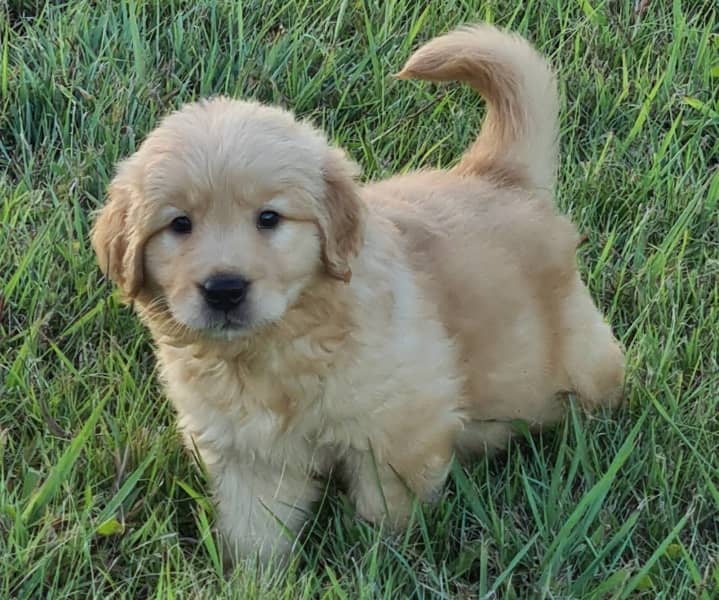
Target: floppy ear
{"x":115,"y":243}
{"x":342,"y":216}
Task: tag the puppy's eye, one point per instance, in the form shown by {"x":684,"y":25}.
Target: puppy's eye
{"x":181,"y":225}
{"x":268,"y":219}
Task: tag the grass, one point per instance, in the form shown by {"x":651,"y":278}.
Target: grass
{"x":97,"y":496}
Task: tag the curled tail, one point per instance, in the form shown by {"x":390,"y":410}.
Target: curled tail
{"x":519,"y":136}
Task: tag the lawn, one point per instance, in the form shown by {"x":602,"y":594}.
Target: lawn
{"x":98,"y":497}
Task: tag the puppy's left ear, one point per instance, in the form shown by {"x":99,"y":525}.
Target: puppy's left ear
{"x":342,"y":215}
{"x":115,"y":241}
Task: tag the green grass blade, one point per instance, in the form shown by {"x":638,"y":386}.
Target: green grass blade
{"x":60,"y":472}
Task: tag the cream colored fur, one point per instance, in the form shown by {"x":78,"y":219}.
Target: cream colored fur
{"x":386,"y":327}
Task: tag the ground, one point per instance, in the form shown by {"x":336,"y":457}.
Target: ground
{"x":97,"y":496}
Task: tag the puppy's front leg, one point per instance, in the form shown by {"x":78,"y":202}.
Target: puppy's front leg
{"x":262,"y":507}
{"x":382,"y":488}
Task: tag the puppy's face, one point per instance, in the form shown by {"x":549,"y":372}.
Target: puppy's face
{"x":231,"y":256}
{"x":225,"y":215}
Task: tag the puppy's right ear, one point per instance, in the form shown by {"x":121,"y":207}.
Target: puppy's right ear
{"x":342,"y":216}
{"x":118,"y":254}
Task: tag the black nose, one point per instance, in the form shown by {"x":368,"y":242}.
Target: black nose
{"x":224,"y":292}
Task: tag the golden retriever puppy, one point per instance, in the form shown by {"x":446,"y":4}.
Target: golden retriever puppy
{"x":304,"y":323}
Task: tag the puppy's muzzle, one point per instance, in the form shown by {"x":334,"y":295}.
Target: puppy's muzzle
{"x":224,"y":292}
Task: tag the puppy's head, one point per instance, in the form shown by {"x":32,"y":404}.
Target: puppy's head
{"x":226,"y":214}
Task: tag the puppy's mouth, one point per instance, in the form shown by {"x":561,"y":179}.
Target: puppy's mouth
{"x":216,"y":324}
{"x":226,"y":325}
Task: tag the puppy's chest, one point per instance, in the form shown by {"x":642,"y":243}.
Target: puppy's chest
{"x":225,"y":408}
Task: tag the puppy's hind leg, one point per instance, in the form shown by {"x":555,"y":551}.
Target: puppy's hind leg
{"x":592,"y":355}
